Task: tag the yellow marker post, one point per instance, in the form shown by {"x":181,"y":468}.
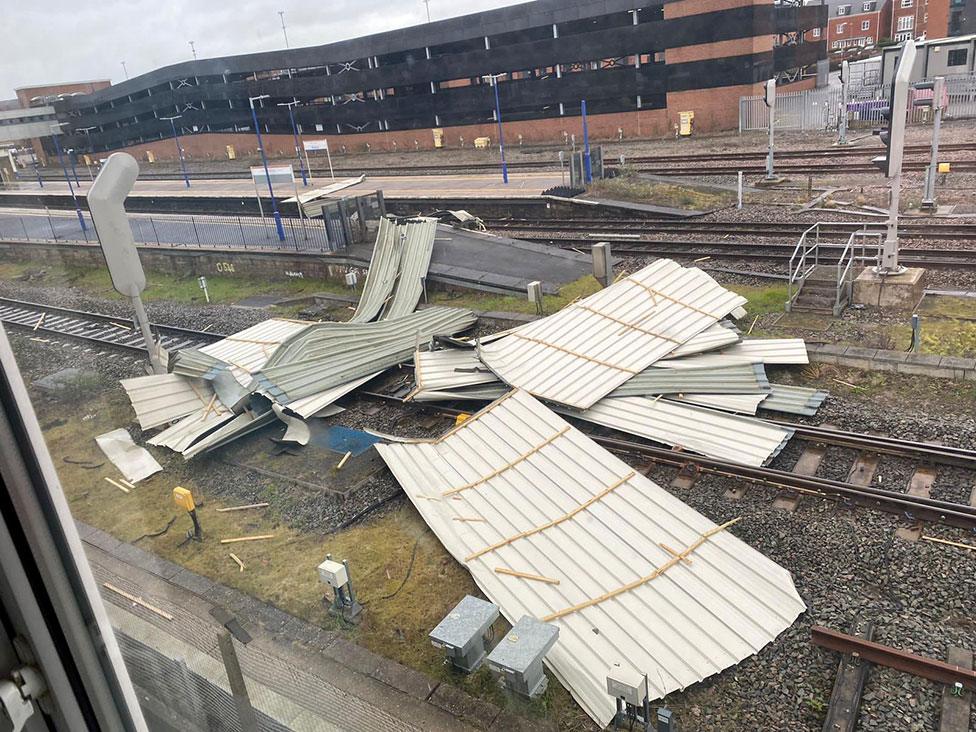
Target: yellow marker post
{"x":184,"y":499}
{"x":462,"y":418}
{"x":945,"y":167}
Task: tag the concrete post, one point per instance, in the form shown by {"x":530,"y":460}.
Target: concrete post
{"x":928,"y":197}
{"x":602,"y":263}
{"x":845,"y":75}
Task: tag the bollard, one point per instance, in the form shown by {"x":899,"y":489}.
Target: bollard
{"x":602,"y":263}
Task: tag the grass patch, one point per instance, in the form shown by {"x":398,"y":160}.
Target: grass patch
{"x":159,"y":286}
{"x":762,"y":300}
{"x":630,"y":187}
{"x":512,"y":304}
{"x":405,"y":596}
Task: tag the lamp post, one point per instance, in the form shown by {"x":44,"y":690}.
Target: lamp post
{"x":91,"y":150}
{"x":294,"y":131}
{"x":281,"y":14}
{"x":493,"y":79}
{"x":125,"y":71}
{"x":179,"y":147}
{"x":193,"y":50}
{"x":40,"y":181}
{"x":264,"y":161}
{"x":71,"y":188}
{"x":588,"y":168}
{"x":71,"y":160}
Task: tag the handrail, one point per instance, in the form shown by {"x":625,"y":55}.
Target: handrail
{"x":799,"y":270}
{"x":846,"y":261}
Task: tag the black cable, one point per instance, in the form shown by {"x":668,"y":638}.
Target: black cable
{"x":413,"y":558}
{"x":157,"y":533}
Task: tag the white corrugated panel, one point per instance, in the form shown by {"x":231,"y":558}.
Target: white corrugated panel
{"x":452,"y":368}
{"x":161,"y":398}
{"x":770,"y":350}
{"x":715,"y":434}
{"x":248,"y":350}
{"x":741,"y":403}
{"x":586,"y":350}
{"x":382,"y":273}
{"x":418,"y":245}
{"x":716,"y":336}
{"x":190,"y":429}
{"x":794,"y":399}
{"x":573,"y":512}
{"x":311,"y":405}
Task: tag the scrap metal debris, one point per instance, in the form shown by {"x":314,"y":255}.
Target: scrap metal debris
{"x":133,"y":461}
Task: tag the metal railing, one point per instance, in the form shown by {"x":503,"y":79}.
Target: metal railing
{"x":799,"y":269}
{"x":163,"y":230}
{"x":806,"y":259}
{"x":845,"y":277}
{"x":820,"y":109}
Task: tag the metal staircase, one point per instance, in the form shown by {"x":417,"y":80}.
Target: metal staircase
{"x":827,"y":288}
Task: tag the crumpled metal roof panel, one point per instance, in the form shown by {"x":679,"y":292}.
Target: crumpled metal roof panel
{"x":549,"y":502}
{"x":794,"y":399}
{"x":724,"y":436}
{"x":247,"y":351}
{"x":159,"y":399}
{"x":452,"y":368}
{"x":589,"y":348}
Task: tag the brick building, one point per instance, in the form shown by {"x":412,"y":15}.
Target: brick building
{"x":853,"y":25}
{"x":638,"y":64}
{"x":914,"y":19}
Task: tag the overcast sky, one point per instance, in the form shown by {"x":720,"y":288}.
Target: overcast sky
{"x":79,"y":40}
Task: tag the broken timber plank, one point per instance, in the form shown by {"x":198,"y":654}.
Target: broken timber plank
{"x":956,"y":700}
{"x":845,"y":699}
{"x":247,"y":538}
{"x":137,"y":600}
{"x":808,"y":464}
{"x":919,"y":485}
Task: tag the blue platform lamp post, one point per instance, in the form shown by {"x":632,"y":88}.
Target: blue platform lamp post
{"x":71,"y":160}
{"x":493,"y":79}
{"x":91,"y":150}
{"x":588,"y":167}
{"x":71,"y":189}
{"x":264,"y":161}
{"x":179,"y":147}
{"x":294,"y":131}
{"x":40,"y":180}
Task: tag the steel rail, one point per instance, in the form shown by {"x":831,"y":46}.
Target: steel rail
{"x":915,"y":508}
{"x":882,"y":655}
{"x":79,"y":324}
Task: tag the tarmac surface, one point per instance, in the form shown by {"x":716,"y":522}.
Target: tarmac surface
{"x":474,"y":185}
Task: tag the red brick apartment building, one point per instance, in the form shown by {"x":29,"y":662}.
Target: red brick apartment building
{"x":855,"y":25}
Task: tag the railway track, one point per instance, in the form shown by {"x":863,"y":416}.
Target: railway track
{"x":915,"y":507}
{"x":907,"y":229}
{"x":97,"y":328}
{"x":722,"y":163}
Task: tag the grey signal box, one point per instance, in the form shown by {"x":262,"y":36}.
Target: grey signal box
{"x":462,"y":632}
{"x":517,"y":659}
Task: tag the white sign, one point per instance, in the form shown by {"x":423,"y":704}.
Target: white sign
{"x":316,"y":144}
{"x":278,"y":173}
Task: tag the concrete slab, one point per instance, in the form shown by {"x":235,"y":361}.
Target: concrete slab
{"x":900,"y":292}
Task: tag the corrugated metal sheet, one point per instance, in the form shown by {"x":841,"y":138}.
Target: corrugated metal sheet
{"x":739,"y":403}
{"x":548,"y":501}
{"x":247,"y":351}
{"x":794,"y":399}
{"x":190,"y":429}
{"x":397,"y":267}
{"x":482,"y":392}
{"x":235,"y":428}
{"x":586,"y":350}
{"x":327,"y":355}
{"x":715,"y":434}
{"x":161,"y":398}
{"x":384,"y":264}
{"x":716,"y":336}
{"x":770,"y":350}
{"x":452,"y":368}
{"x":418,"y":245}
{"x":310,"y":406}
{"x":196,"y":365}
{"x":735,"y":379}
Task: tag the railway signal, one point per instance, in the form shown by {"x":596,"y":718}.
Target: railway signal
{"x":770,"y":100}
{"x":938,"y":103}
{"x":890,"y":163}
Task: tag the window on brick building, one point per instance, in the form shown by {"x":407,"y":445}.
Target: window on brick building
{"x":906,"y":22}
{"x":906,"y":36}
{"x":957,"y":57}
{"x":816,"y":33}
{"x":907,"y":3}
{"x":844,"y":10}
{"x":865,"y":25}
{"x":867,"y":7}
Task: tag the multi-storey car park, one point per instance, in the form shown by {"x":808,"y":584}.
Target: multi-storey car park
{"x":637,"y":65}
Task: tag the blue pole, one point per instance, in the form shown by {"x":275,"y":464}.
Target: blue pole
{"x":71,"y":189}
{"x":267,"y":174}
{"x":501,"y":136}
{"x":74,"y":172}
{"x":40,"y":181}
{"x":298,"y":151}
{"x":586,"y":147}
{"x":179,"y":150}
